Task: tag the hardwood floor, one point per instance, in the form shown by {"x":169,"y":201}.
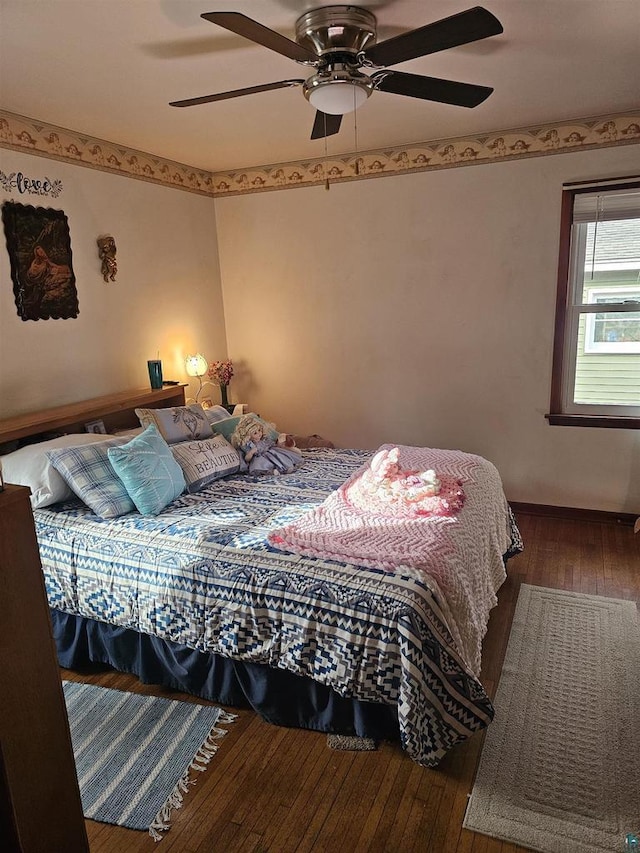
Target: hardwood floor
{"x":271,"y":790}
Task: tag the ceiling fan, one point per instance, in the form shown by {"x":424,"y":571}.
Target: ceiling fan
{"x":339,"y":41}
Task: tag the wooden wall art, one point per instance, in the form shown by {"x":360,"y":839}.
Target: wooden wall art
{"x":39,"y":247}
{"x":107,"y":254}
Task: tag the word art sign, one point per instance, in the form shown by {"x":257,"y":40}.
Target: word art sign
{"x":34,"y":186}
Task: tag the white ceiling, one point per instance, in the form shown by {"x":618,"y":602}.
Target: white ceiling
{"x":108,"y":68}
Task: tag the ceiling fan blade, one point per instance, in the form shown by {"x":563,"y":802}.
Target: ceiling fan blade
{"x":235,"y":93}
{"x":250,"y":29}
{"x":325,"y":124}
{"x":431,"y":88}
{"x":465,"y":27}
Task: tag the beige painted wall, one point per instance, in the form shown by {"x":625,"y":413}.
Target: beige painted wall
{"x":166,"y":297}
{"x":417,"y":309}
{"x":420,"y":309}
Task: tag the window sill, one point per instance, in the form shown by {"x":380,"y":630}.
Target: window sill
{"x":613,"y":422}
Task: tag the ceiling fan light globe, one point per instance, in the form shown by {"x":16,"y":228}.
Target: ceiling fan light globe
{"x":338,"y":97}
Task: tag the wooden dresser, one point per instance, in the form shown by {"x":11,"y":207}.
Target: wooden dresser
{"x":40,"y":808}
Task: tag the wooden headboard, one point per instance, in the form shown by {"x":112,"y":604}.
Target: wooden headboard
{"x":116,"y":411}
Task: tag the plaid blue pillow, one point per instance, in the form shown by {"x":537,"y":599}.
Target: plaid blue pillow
{"x":150,"y":474}
{"x":89,"y":474}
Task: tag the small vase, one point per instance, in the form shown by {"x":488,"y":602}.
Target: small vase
{"x":225,"y":399}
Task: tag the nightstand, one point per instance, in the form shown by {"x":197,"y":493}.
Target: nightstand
{"x":40,"y":806}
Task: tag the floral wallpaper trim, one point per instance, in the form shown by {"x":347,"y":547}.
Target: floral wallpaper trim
{"x":555,"y":138}
{"x":57,"y":143}
{"x":20,"y":133}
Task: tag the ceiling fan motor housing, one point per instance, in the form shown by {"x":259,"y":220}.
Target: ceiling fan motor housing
{"x":338,"y":35}
{"x":336,"y":29}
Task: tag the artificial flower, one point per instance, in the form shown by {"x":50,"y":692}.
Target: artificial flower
{"x":221,"y":372}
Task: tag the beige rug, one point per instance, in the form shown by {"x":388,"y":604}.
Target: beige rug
{"x":560,"y":766}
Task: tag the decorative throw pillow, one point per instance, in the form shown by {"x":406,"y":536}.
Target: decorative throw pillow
{"x":29,"y":466}
{"x":91,"y":477}
{"x":227,"y":427}
{"x":179,"y":423}
{"x":216,"y":413}
{"x":202,"y":462}
{"x":148,"y":471}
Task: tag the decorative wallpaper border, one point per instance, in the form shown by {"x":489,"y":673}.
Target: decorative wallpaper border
{"x":46,"y":140}
{"x":57,"y":143}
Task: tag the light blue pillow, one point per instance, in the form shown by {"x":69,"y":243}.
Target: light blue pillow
{"x":150,"y":474}
{"x":89,"y":474}
{"x":227,"y":426}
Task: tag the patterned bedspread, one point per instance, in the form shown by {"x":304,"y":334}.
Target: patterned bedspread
{"x":203,"y":574}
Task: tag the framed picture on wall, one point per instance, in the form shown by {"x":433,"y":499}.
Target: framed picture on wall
{"x":39,"y":247}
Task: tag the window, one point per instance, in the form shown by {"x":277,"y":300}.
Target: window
{"x":613,"y":331}
{"x":596,"y":360}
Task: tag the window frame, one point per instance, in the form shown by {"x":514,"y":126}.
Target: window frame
{"x":566,"y":325}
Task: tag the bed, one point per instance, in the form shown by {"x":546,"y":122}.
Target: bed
{"x":202,"y":598}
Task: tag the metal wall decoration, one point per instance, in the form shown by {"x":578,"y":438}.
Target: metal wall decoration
{"x":39,"y":248}
{"x":107,"y":253}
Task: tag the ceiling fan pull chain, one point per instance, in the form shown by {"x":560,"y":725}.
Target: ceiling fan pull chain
{"x":355,"y":132}
{"x":326,"y":178}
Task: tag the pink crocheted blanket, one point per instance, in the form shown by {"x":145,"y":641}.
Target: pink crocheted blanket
{"x":385,"y":528}
{"x":368,"y":521}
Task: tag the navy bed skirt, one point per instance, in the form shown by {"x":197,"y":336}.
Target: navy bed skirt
{"x":278,"y":696}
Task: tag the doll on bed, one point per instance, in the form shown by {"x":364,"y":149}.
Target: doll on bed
{"x":263,"y":454}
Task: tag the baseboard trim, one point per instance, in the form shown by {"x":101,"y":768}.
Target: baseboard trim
{"x":575,"y":513}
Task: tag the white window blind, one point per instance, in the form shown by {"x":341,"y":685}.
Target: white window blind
{"x":606,"y":207}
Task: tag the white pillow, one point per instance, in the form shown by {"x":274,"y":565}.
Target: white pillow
{"x":131,"y":431}
{"x":29,"y":466}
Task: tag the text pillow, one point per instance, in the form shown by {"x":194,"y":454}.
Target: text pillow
{"x":90,"y":475}
{"x":203,"y":462}
{"x":148,"y":470}
{"x":179,"y":423}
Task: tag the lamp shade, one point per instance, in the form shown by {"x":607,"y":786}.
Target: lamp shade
{"x":196,"y":365}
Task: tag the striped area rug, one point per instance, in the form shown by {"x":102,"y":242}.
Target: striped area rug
{"x":135,"y":754}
